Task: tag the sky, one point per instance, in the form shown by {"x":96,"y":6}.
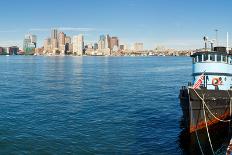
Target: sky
{"x":179,"y":24}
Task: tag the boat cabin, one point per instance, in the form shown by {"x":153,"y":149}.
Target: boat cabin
{"x":217,"y":66}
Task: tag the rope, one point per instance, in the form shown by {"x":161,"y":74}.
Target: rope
{"x":203,"y":102}
{"x":206,"y":125}
{"x":198,"y":141}
{"x":230,"y":110}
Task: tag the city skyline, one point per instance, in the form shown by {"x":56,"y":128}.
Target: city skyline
{"x":173,"y":24}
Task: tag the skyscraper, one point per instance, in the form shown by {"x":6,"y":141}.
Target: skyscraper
{"x":47,"y":45}
{"x":29,"y":44}
{"x":107,"y":42}
{"x":78,"y":44}
{"x":54,"y":34}
{"x":68,"y":45}
{"x":61,"y":42}
{"x":114,"y":43}
{"x":62,"y":38}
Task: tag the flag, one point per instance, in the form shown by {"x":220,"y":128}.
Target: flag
{"x":199,"y":81}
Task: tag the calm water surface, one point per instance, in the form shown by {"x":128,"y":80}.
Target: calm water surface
{"x":91,"y":105}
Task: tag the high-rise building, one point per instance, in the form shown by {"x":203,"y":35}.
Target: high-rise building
{"x":13,"y":50}
{"x":54,"y":44}
{"x":78,"y":44}
{"x":62,"y":38}
{"x":138,"y":47}
{"x":68,"y":40}
{"x":68,"y":44}
{"x":54,"y":40}
{"x":29,"y":44}
{"x":108,"y":42}
{"x":102,"y":37}
{"x":114,"y":42}
{"x":122,"y":47}
{"x":95,"y":46}
{"x":61,"y":42}
{"x":54,"y":34}
{"x":47,"y":45}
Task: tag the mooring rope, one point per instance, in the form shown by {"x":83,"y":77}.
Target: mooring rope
{"x":203,"y":102}
{"x":230,"y":110}
{"x":198,"y":141}
{"x":206,"y":125}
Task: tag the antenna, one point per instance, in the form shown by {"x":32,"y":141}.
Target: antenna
{"x":216,"y":30}
{"x":205,"y":40}
{"x":227,"y":42}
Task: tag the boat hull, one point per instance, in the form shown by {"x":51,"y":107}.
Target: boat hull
{"x":205,"y":108}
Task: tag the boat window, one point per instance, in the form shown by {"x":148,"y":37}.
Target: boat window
{"x":230,"y":60}
{"x":206,"y":57}
{"x":212,"y":57}
{"x":224,"y":58}
{"x":194,"y":59}
{"x":199,"y":58}
{"x":219,"y":58}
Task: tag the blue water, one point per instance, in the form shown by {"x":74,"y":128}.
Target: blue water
{"x":91,"y":105}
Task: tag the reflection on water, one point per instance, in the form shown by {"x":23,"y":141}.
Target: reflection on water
{"x":189,"y":143}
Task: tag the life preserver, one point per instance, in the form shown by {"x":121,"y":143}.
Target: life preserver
{"x":216,"y":81}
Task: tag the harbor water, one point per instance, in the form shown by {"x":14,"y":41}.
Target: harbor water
{"x":91,"y":105}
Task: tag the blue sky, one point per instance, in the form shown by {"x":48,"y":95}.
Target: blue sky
{"x":172,"y":23}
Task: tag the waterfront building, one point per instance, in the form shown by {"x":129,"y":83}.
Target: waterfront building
{"x":68,"y":40}
{"x":138,"y":47}
{"x":114,"y":43}
{"x":47,"y":45}
{"x":122,"y":47}
{"x":102,"y":37}
{"x":54,"y":34}
{"x":54,"y":44}
{"x":13,"y":50}
{"x":61,"y":42}
{"x":70,"y":48}
{"x":29,"y":44}
{"x":62,"y":37}
{"x":108,"y":42}
{"x":78,"y":44}
{"x":1,"y":50}
{"x":95,"y":46}
{"x":101,"y":44}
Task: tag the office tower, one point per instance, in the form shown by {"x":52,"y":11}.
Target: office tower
{"x":122,"y":47}
{"x":54,"y":44}
{"x":61,"y":42}
{"x":138,"y":47}
{"x":29,"y":44}
{"x":47,"y":45}
{"x":102,"y":37}
{"x":101,"y":42}
{"x":62,"y":38}
{"x":54,"y":40}
{"x":114,"y":43}
{"x":95,"y":46}
{"x":67,"y":44}
{"x":107,"y":42}
{"x":68,"y":40}
{"x":78,"y":44}
{"x":54,"y":34}
{"x":33,"y":39}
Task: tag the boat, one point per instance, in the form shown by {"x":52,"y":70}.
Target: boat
{"x":208,"y":107}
